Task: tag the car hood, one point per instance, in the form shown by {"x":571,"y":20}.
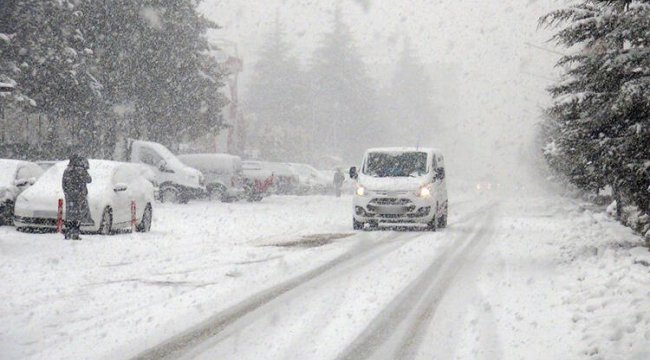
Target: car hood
{"x":391,"y":183}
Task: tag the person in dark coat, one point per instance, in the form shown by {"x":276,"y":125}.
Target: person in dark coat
{"x":77,"y":211}
{"x":338,"y":181}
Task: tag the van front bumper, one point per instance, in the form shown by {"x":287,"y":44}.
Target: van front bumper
{"x":395,"y":208}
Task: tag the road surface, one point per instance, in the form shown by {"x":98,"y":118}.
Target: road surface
{"x":531,"y":276}
{"x":312,"y":305}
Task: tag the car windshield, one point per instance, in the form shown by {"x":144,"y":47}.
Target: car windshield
{"x":382,"y":164}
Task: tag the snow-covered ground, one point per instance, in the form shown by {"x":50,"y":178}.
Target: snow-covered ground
{"x":531,"y":277}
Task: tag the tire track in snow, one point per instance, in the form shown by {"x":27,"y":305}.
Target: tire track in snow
{"x":227,"y":322}
{"x":397,"y":332}
{"x":214,"y":326}
{"x":412,"y":339}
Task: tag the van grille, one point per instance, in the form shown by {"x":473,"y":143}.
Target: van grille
{"x":391,"y":201}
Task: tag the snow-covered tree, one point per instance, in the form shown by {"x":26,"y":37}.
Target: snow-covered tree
{"x":343,"y":95}
{"x":601,"y":117}
{"x":278,"y":95}
{"x":154,"y":58}
{"x":46,"y":56}
{"x":410,"y":99}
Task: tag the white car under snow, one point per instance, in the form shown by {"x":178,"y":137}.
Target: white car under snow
{"x":222,"y":173}
{"x":114,"y":186}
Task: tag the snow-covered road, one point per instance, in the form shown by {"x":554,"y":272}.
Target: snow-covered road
{"x":512,"y":277}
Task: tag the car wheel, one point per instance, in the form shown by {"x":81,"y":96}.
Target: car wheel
{"x":442,"y":221}
{"x":357,"y":225}
{"x":217,"y":193}
{"x":170,"y":195}
{"x":106,"y":225}
{"x":145,"y":223}
{"x":183,"y":197}
{"x":433,"y":224}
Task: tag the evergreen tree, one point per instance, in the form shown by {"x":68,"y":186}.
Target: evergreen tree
{"x":278,"y":97}
{"x":8,"y":67}
{"x":343,"y":96}
{"x":411,"y":100}
{"x":600,"y":129}
{"x":47,"y":57}
{"x":154,"y":57}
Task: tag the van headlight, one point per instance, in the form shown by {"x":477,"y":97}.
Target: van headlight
{"x":361,"y":190}
{"x":425,"y":191}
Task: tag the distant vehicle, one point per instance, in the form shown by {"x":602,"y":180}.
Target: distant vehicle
{"x":114,"y":186}
{"x":486,"y":185}
{"x":400,"y":186}
{"x":16,"y":176}
{"x":257,"y":180}
{"x":222,"y":172}
{"x":178,"y":182}
{"x":310,"y":180}
{"x":286,"y":180}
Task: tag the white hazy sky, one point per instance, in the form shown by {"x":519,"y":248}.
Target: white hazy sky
{"x":502,"y":79}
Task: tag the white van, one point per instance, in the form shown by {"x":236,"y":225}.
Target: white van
{"x":178,"y":182}
{"x":223,"y":174}
{"x":400,"y":186}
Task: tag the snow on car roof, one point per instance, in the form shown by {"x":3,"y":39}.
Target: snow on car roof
{"x":163,"y":151}
{"x":210,"y":161}
{"x":8,"y":169}
{"x":277,"y":168}
{"x":48,"y":188}
{"x":49,"y":184}
{"x":405,"y":149}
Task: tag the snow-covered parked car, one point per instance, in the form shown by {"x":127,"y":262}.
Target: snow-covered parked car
{"x":286,"y":180}
{"x":222,"y":172}
{"x":310,"y":180}
{"x":257,"y":180}
{"x":114,"y":186}
{"x":400,"y":186}
{"x":178,"y":182}
{"x":15,"y":177}
{"x":150,"y":175}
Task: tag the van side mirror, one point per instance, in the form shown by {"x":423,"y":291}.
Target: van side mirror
{"x":353,"y":173}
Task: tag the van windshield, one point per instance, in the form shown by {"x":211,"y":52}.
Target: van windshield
{"x":380,"y":164}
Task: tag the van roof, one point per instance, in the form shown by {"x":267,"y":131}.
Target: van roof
{"x":405,"y":149}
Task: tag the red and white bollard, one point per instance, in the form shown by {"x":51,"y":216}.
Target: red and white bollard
{"x":59,"y":217}
{"x":133,"y":218}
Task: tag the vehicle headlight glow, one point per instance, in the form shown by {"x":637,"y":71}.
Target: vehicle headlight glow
{"x":361,"y":191}
{"x":425,"y":191}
